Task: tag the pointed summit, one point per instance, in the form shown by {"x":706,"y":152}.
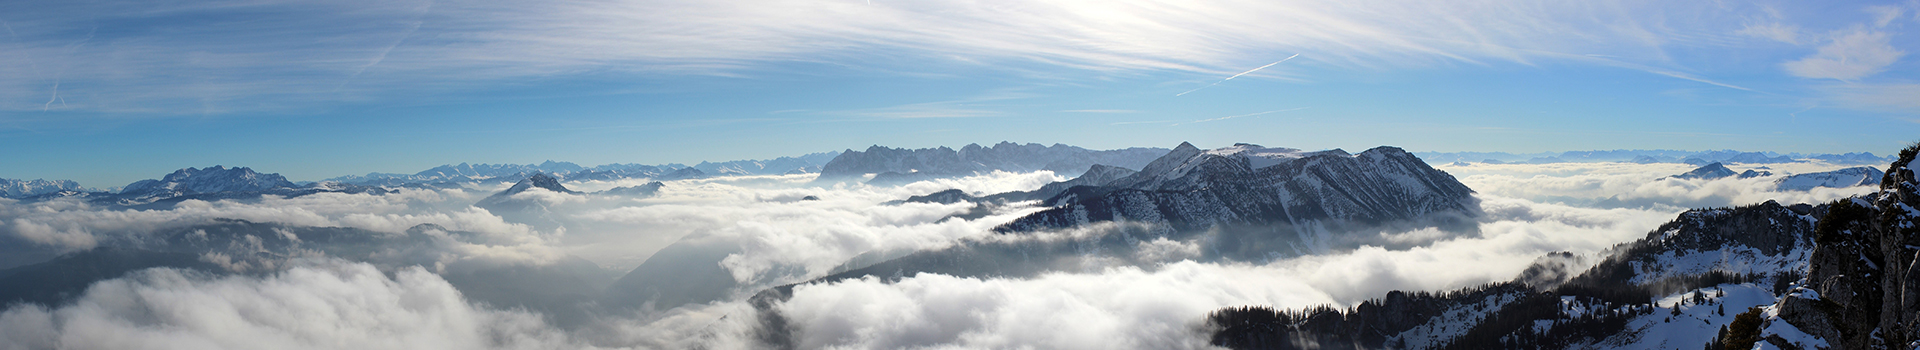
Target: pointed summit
{"x":537,"y":180}
{"x":505,"y":201}
{"x":1708,"y":172}
{"x":1185,"y":146}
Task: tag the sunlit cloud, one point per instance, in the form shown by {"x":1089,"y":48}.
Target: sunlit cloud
{"x":445,"y":46}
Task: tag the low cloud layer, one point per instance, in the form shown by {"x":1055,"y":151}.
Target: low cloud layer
{"x":327,"y":304}
{"x":1159,"y":306}
{"x":1155,"y":300}
{"x":1642,"y":185}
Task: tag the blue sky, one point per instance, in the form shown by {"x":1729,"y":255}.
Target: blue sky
{"x":108,"y":92}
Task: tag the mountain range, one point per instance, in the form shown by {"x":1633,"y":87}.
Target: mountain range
{"x":10,"y":188}
{"x":899,"y":165}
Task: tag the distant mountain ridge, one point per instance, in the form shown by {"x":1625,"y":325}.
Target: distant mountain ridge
{"x":1840,"y":178}
{"x":809,"y":163}
{"x":1654,"y":156}
{"x":10,"y":188}
{"x":210,"y":183}
{"x":213,"y":179}
{"x":913,"y":164}
{"x":456,"y":174}
{"x":1849,"y":177}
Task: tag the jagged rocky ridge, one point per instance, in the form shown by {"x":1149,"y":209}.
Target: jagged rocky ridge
{"x":211,"y":183}
{"x":1862,"y":289}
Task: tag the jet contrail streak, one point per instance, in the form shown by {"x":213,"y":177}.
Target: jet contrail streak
{"x":1249,"y":71}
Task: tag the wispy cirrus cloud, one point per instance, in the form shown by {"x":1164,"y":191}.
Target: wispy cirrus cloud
{"x":282,"y":55}
{"x":1852,"y":54}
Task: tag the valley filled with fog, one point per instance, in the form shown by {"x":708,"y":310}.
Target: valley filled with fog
{"x":688,"y":263}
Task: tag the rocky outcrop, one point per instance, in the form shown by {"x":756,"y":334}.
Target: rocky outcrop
{"x":1862,"y":289}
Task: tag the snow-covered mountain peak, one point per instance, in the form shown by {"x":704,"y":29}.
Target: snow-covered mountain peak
{"x":540,"y":181}
{"x":210,"y":180}
{"x":1849,"y":177}
{"x":10,"y":188}
{"x":1193,"y":189}
{"x":1710,"y":171}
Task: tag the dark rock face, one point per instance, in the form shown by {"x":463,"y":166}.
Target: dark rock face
{"x":1707,"y":172}
{"x":912,"y":164}
{"x":523,"y":210}
{"x":683,"y":174}
{"x":1191,"y":189}
{"x":1863,"y":286}
{"x":943,"y":197}
{"x":649,"y":189}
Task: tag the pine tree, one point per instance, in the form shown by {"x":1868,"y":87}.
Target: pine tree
{"x":1745,"y":330}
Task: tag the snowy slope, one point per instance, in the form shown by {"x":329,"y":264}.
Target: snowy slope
{"x":1849,"y":177}
{"x":1697,"y":323}
{"x":1293,"y":191}
{"x":10,"y":188}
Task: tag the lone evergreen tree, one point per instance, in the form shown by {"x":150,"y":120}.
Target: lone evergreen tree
{"x":1745,"y":330}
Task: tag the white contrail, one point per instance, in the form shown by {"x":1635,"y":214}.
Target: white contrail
{"x":396,"y":43}
{"x":1238,"y":75}
{"x":56,"y":96}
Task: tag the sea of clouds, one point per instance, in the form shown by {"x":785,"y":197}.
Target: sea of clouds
{"x":321,"y":302}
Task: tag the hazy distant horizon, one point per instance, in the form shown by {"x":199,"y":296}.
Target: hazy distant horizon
{"x":109,"y":180}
